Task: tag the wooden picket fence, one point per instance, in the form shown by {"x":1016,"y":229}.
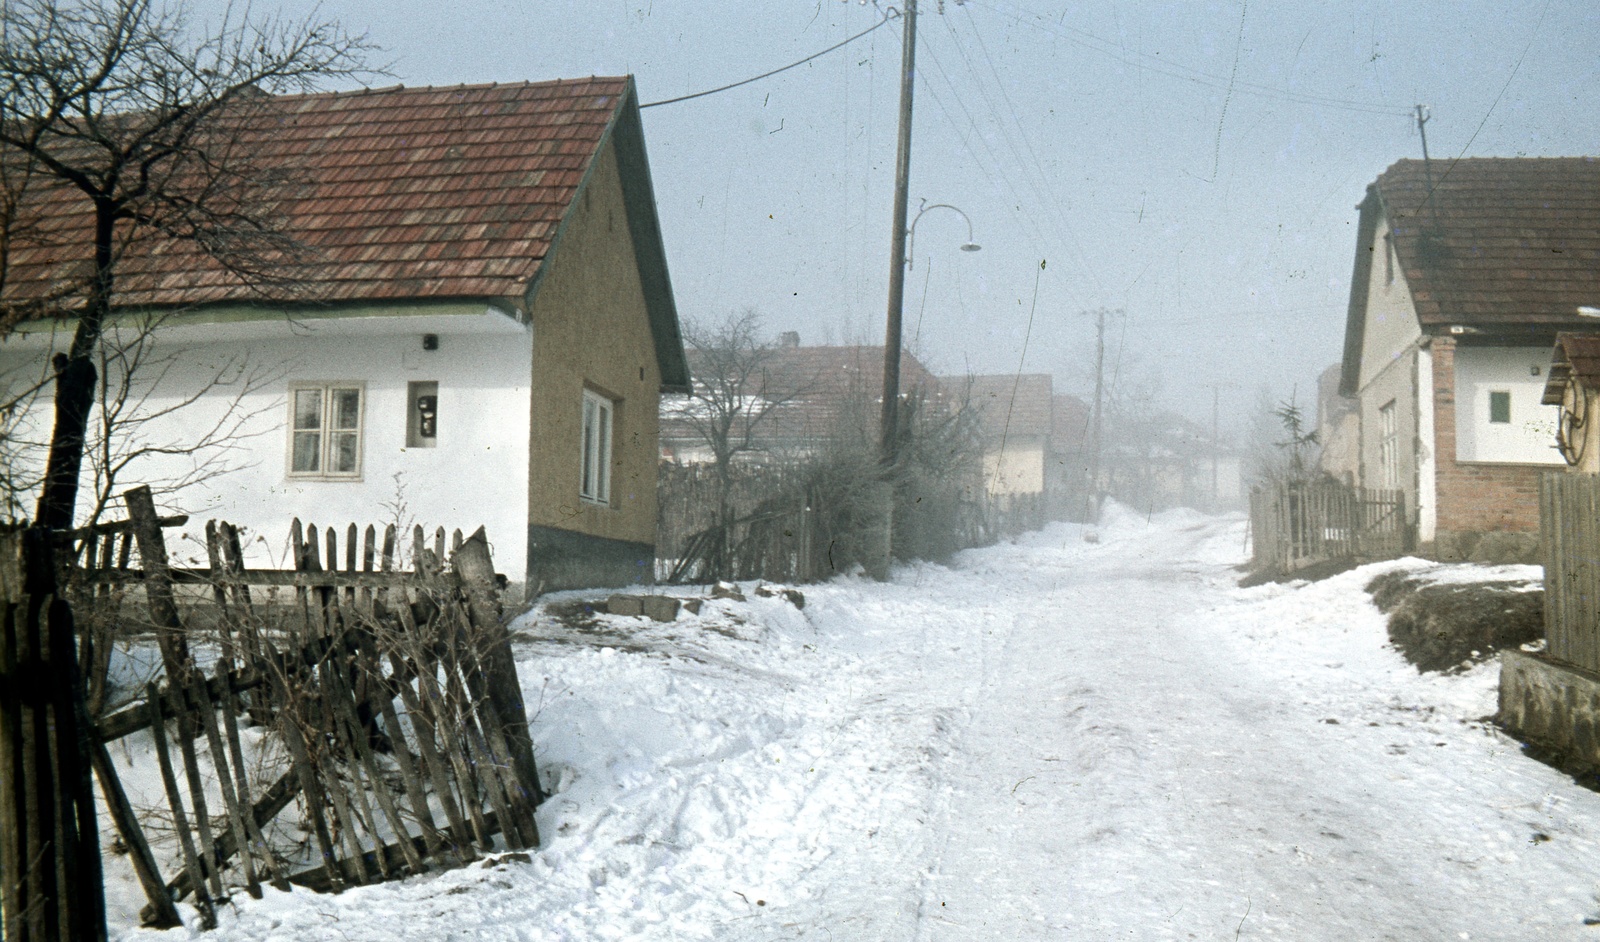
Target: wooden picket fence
{"x":1293,"y":526}
{"x":1569,"y":528}
{"x":391,"y":691}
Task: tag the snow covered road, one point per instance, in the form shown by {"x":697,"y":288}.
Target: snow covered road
{"x":1152,"y":759}
{"x":1052,"y":739}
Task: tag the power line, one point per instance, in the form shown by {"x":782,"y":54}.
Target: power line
{"x":1161,"y":66}
{"x":1042,"y":185}
{"x":757,"y":78}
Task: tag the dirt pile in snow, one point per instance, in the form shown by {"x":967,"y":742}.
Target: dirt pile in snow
{"x":1441,"y":621}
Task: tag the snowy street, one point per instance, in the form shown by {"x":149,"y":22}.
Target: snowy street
{"x":1052,"y":739}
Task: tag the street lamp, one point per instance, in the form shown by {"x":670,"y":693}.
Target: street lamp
{"x":889,"y":420}
{"x":911,"y":236}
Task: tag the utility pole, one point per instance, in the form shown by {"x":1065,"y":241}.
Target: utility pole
{"x":1099,"y":395}
{"x":889,"y":420}
{"x":1216,"y":443}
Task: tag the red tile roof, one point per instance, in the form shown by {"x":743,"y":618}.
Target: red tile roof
{"x":1496,"y":242}
{"x":822,"y":387}
{"x":1009,"y":404}
{"x":401,"y":193}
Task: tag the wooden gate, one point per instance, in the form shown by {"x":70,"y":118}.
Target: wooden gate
{"x":1293,"y":526}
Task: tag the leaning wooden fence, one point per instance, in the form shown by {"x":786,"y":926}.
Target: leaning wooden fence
{"x":1569,"y":528}
{"x":389,"y":696}
{"x":1293,"y":526}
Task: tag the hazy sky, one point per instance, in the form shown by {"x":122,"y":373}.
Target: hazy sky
{"x":1195,"y":164}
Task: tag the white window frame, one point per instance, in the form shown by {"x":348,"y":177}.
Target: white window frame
{"x":1389,"y":445}
{"x":597,"y":432}
{"x":326,"y":431}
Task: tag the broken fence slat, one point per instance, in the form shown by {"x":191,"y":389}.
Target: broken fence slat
{"x":180,"y":819}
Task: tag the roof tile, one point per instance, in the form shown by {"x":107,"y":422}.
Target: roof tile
{"x":1497,"y":242}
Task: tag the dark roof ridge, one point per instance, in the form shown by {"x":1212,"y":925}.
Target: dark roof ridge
{"x":462,"y":87}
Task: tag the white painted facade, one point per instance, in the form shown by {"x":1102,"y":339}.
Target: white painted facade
{"x":1427,"y":461}
{"x":476,"y":473}
{"x":1017,"y":470}
{"x":1516,"y":373}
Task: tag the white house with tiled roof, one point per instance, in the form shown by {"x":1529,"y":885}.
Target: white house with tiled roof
{"x":481,"y":333}
{"x":1464,"y":273}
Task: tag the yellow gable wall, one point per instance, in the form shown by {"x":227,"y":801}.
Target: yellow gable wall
{"x":590,"y":330}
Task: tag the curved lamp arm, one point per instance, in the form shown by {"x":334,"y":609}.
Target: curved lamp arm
{"x":911,"y":233}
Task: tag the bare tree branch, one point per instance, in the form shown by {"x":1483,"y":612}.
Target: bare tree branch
{"x":149,"y":120}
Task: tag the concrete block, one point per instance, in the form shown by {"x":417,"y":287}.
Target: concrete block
{"x":661,"y":607}
{"x":692,"y":606}
{"x":625,"y":605}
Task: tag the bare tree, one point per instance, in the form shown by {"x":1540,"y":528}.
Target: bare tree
{"x":740,"y":390}
{"x":148,"y":123}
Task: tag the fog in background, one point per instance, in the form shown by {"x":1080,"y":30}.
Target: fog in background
{"x":1194,"y":164}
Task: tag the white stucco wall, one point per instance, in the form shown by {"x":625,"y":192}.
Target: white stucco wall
{"x":1391,"y":327}
{"x":1427,"y":463}
{"x":1018,"y":470}
{"x":476,"y":475}
{"x":1529,"y":438}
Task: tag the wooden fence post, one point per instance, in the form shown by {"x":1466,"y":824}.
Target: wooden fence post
{"x":475,"y":568}
{"x":158,"y":582}
{"x":50,"y":881}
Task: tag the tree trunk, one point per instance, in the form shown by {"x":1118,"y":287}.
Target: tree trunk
{"x":75,"y":384}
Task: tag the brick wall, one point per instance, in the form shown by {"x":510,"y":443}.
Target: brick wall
{"x":1475,"y":497}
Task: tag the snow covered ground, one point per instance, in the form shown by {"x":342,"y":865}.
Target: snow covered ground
{"x":1051,"y":739}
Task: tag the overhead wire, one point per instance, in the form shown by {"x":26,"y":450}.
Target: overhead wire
{"x":1161,"y":66}
{"x":994,"y":163}
{"x":756,"y":78}
{"x":1042,"y":186}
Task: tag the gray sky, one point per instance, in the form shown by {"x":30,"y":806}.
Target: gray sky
{"x":1196,"y":164}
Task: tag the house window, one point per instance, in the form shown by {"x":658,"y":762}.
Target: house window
{"x":1388,"y":446}
{"x":594,"y":483}
{"x":1388,"y":259}
{"x":1500,"y":407}
{"x":325,"y":430}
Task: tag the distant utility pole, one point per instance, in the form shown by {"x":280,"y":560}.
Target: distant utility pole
{"x":1422,"y":128}
{"x":1216,"y":442}
{"x":1094,"y":425}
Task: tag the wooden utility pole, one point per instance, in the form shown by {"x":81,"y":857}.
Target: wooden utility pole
{"x":889,"y":418}
{"x":889,"y":421}
{"x":1094,"y":426}
{"x":1216,"y":442}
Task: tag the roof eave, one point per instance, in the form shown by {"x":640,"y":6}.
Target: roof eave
{"x":1360,"y":284}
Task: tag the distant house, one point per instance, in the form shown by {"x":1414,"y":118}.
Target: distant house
{"x":484,"y":331}
{"x":1016,"y":416}
{"x":1464,"y":274}
{"x":1338,"y":428}
{"x":1067,"y":463}
{"x":807,"y":397}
